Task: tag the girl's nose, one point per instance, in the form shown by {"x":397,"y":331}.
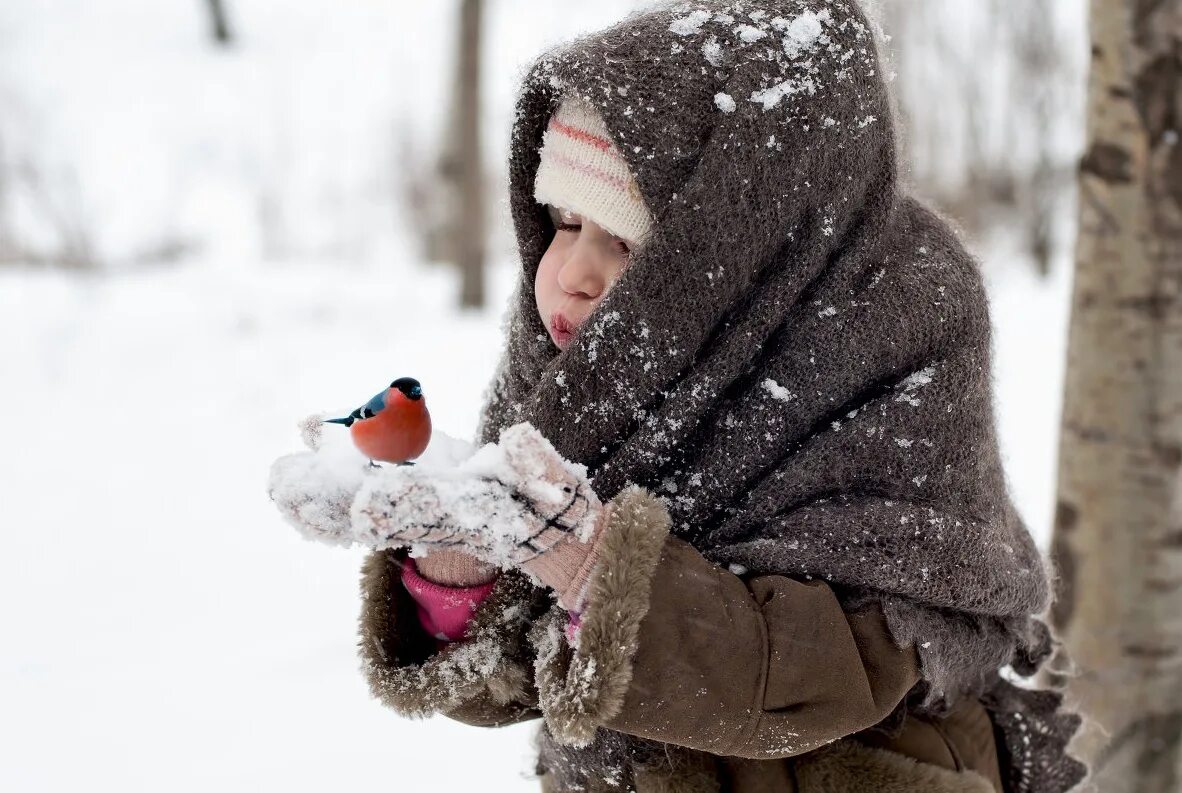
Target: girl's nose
{"x":581,"y":274}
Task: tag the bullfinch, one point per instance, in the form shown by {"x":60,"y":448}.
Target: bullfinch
{"x":394,"y":426}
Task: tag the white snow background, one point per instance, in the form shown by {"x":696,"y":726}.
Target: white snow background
{"x":163,"y":628}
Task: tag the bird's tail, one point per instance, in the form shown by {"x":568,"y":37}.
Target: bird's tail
{"x":347,"y":421}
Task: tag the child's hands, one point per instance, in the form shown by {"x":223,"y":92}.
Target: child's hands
{"x":316,"y":496}
{"x":501,"y":523}
{"x":516,"y":504}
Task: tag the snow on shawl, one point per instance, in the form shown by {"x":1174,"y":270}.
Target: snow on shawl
{"x":798,"y":360}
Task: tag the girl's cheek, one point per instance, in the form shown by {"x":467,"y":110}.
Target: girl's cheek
{"x":548,"y":270}
{"x":545,"y":283}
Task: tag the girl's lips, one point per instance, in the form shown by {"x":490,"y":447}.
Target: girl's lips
{"x":561,"y":328}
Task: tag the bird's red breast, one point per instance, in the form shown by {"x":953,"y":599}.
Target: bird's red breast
{"x":398,"y":433}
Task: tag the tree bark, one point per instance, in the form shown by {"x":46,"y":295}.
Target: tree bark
{"x":469,"y":225}
{"x":1118,"y":533}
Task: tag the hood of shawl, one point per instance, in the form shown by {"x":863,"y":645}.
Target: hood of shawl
{"x":760,"y":135}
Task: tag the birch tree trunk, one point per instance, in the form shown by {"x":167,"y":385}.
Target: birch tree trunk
{"x":1118,"y":532}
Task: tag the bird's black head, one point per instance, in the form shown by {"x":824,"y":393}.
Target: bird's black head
{"x":409,"y":387}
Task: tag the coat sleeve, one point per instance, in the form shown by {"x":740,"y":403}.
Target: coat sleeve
{"x":676,"y":649}
{"x":485,"y":680}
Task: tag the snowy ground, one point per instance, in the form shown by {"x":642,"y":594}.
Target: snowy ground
{"x":163,"y":629}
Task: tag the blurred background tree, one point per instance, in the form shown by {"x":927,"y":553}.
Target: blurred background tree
{"x":219,"y":22}
{"x":460,"y":169}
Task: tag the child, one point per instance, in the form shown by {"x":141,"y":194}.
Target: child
{"x":790,"y":562}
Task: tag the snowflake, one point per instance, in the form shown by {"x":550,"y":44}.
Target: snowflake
{"x":691,"y":24}
{"x":778,"y":391}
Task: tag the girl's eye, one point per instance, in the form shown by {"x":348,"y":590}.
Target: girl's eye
{"x":568,"y":226}
{"x":622,"y":247}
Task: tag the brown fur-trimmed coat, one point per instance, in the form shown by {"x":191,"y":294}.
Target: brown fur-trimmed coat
{"x":784,"y":690}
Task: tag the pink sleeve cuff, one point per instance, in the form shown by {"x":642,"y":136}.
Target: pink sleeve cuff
{"x":444,"y":611}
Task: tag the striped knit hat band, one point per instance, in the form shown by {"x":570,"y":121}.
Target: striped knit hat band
{"x":583,"y":171}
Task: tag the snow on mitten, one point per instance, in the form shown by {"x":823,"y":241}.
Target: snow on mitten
{"x":516,"y":503}
{"x":314,"y":490}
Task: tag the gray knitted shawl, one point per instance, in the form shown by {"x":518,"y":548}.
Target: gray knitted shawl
{"x":798,"y":359}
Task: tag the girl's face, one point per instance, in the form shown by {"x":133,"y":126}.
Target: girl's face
{"x":576,"y":272}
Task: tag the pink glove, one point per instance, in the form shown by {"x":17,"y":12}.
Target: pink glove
{"x":444,"y":611}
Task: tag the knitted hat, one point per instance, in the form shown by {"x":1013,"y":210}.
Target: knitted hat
{"x":583,"y":171}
